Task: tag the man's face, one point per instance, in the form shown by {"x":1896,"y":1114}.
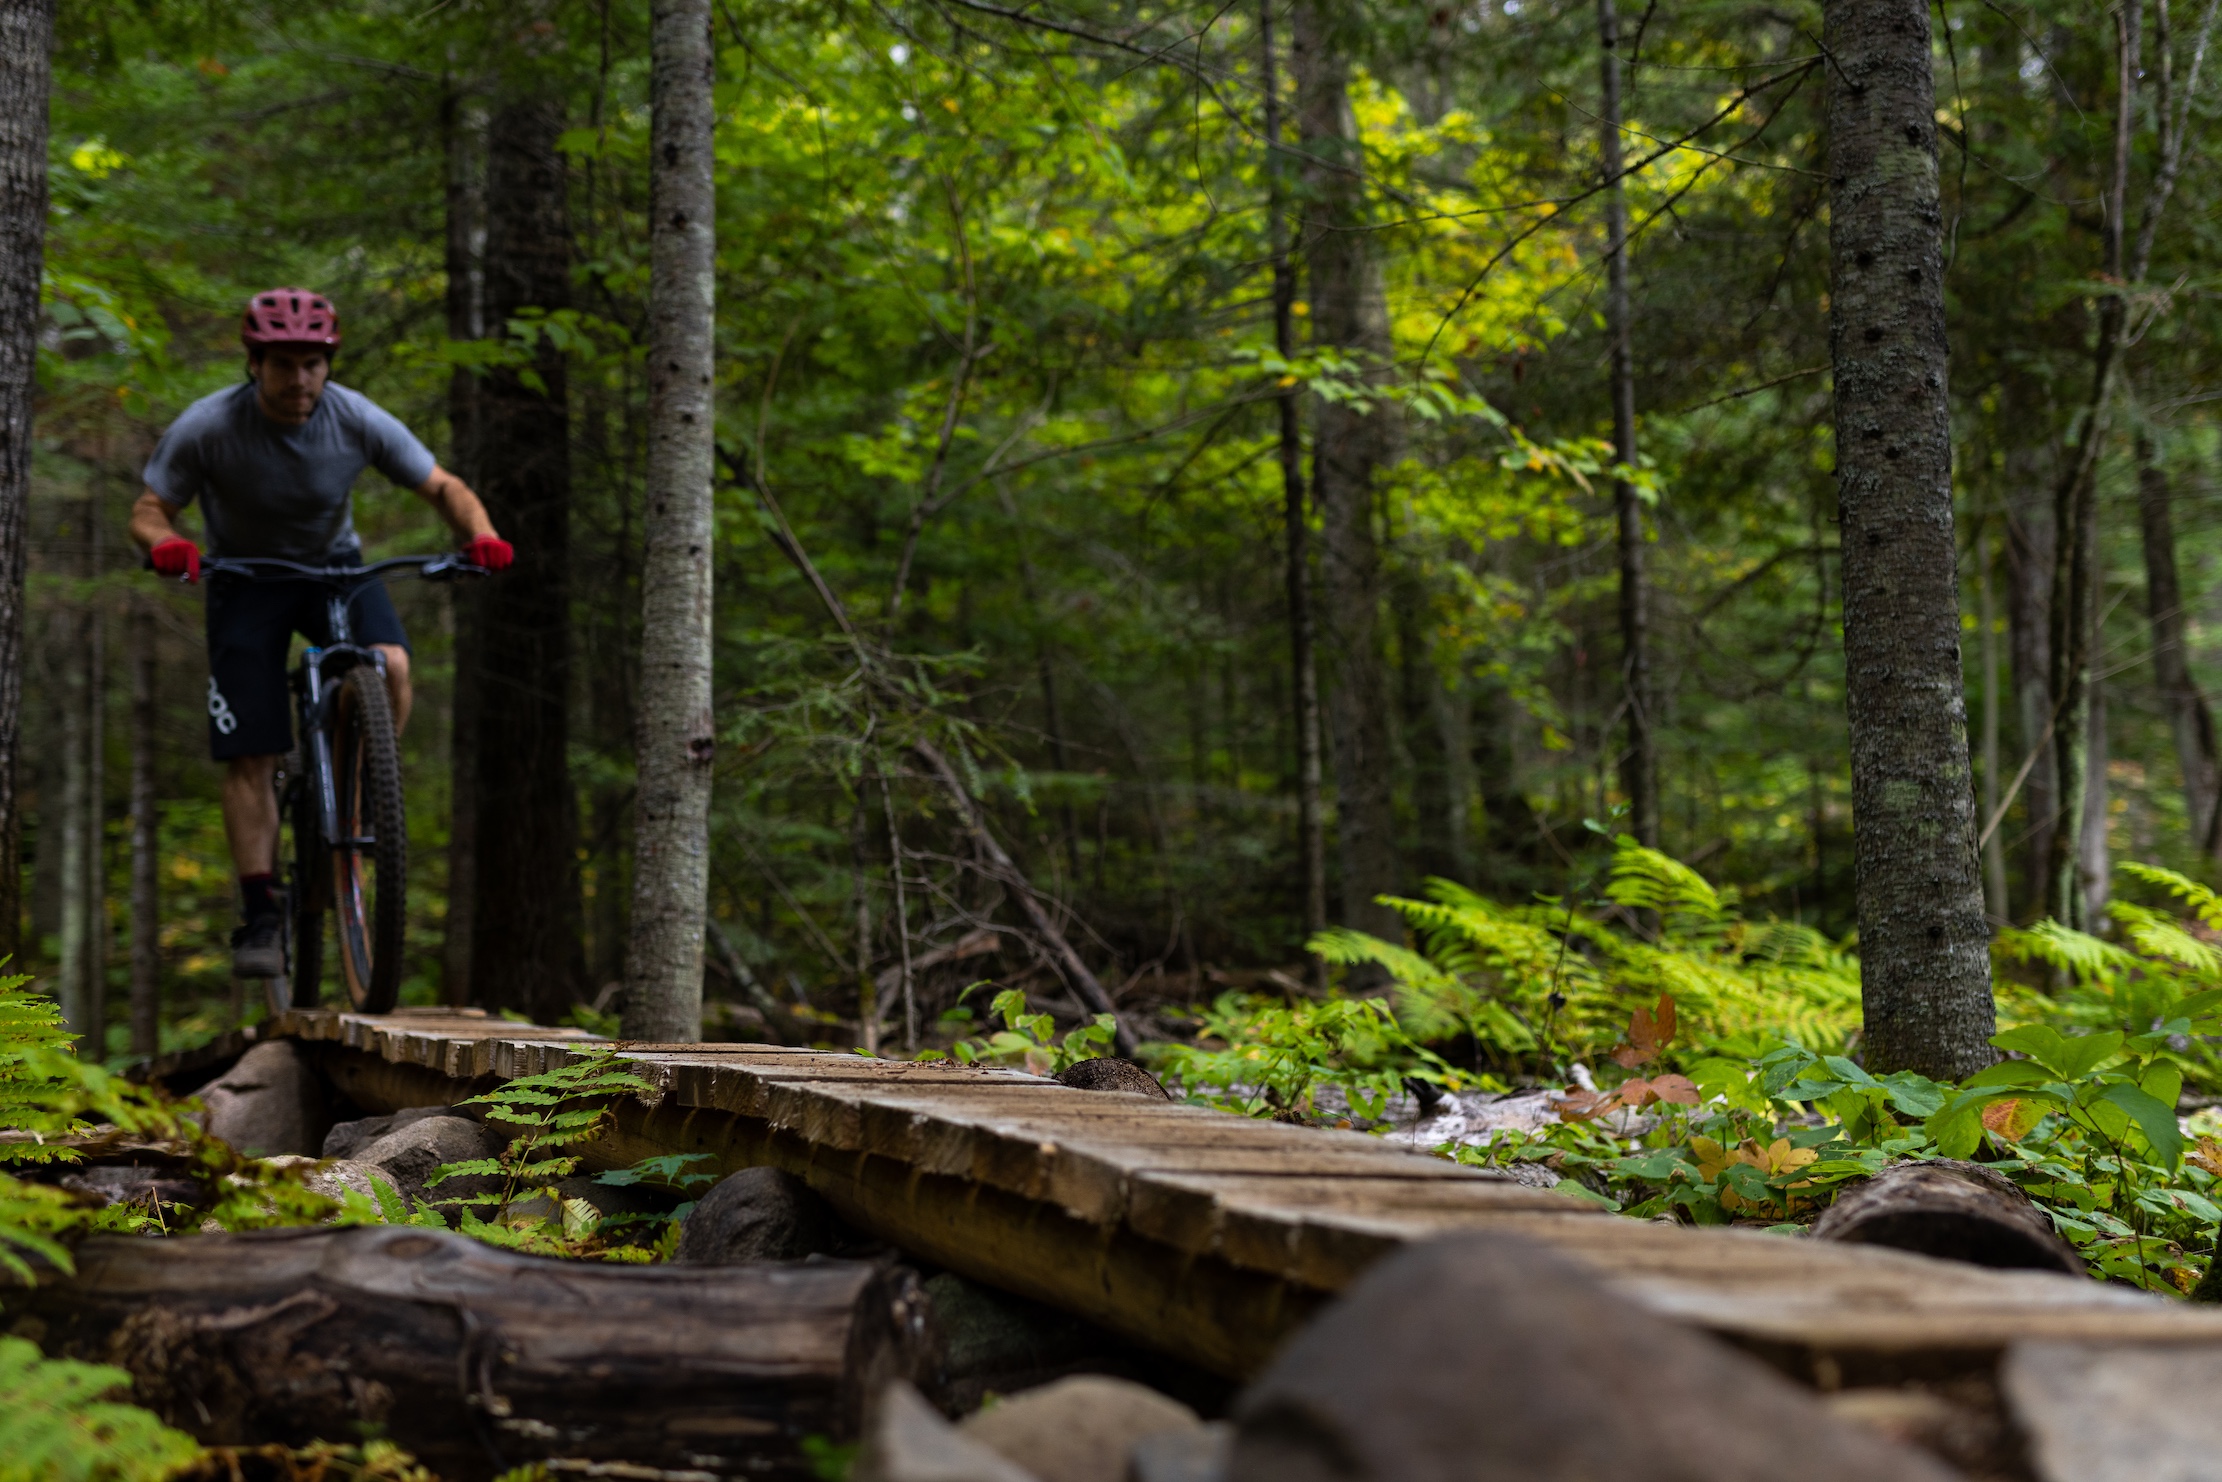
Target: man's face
{"x":288,"y":381}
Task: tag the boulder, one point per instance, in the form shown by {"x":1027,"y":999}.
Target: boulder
{"x":410,"y":1155}
{"x":758,"y":1214}
{"x":348,"y":1138}
{"x":1111,"y":1073}
{"x":906,"y":1440}
{"x":1082,"y":1429}
{"x":1487,"y":1358}
{"x":131,"y":1183}
{"x":1196,"y":1455}
{"x":270,"y":1102}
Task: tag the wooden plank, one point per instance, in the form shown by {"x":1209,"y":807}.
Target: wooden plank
{"x":1210,"y":1235}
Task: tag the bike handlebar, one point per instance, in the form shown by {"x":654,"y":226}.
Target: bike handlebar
{"x":444,"y":567}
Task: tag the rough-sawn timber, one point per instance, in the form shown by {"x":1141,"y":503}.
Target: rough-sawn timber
{"x":1209,"y":1236}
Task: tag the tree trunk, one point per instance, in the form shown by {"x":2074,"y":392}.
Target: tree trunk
{"x":1924,"y":943}
{"x":93,"y":985}
{"x":1994,"y":848}
{"x":146,"y":851}
{"x":478,"y":1359}
{"x":2076,"y":573}
{"x":26,"y":38}
{"x":1311,"y":837}
{"x":1349,"y":314}
{"x":677,"y":731}
{"x":2188,"y":714}
{"x":526,"y":951}
{"x":1639,"y":767}
{"x":464,"y":133}
{"x":1435,"y":846}
{"x":71,"y":630}
{"x":2094,"y":873}
{"x":2029,"y":561}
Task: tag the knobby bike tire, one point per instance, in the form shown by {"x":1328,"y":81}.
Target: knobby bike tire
{"x":368,"y":907}
{"x":308,"y":894}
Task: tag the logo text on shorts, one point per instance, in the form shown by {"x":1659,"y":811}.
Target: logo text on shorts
{"x":219,"y":709}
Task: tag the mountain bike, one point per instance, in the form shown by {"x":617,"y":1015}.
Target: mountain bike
{"x":340,"y":793}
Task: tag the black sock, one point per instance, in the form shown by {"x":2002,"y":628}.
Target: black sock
{"x":254,"y":895}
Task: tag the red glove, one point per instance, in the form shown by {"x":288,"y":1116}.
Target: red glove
{"x":489,"y":551}
{"x":176,"y":556}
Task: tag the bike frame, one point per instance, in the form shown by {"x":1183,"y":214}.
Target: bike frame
{"x":316,"y":680}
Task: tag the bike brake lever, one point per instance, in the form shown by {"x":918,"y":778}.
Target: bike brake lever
{"x":448,"y":568}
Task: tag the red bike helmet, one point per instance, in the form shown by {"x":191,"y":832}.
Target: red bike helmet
{"x":289,"y":316}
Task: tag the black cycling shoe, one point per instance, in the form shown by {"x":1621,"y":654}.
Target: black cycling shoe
{"x":258,"y":948}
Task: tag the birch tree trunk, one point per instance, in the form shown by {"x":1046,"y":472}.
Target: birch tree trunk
{"x":1311,"y":838}
{"x":463,"y":129}
{"x":1924,"y":943}
{"x":678,"y":734}
{"x":146,"y":853}
{"x":2188,"y":714}
{"x":526,"y":950}
{"x":2094,"y":871}
{"x":1349,"y":314}
{"x":26,"y":38}
{"x":1639,"y":767}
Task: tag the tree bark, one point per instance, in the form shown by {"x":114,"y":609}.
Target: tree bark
{"x":26,"y":39}
{"x":1994,"y":848}
{"x":677,"y":731}
{"x":2076,"y":573}
{"x":2029,"y":561}
{"x":146,"y":851}
{"x":93,"y":984}
{"x":2094,"y":871}
{"x":1924,"y":943}
{"x":1349,"y":446}
{"x":72,"y":633}
{"x":464,"y":133}
{"x":478,"y":1359}
{"x":1311,"y":836}
{"x":1953,"y":1210}
{"x":2188,"y":714}
{"x":526,"y":951}
{"x":1639,"y":766}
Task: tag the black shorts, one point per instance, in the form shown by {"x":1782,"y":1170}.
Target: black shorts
{"x":250,"y":630}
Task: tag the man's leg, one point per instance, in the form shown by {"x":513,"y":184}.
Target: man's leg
{"x":397,"y":683}
{"x":251,"y":814}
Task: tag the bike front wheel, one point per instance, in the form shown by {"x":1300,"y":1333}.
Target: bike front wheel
{"x":370,"y":854}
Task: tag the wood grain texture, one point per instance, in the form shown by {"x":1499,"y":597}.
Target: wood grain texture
{"x":479,"y":1359}
{"x":1210,"y":1237}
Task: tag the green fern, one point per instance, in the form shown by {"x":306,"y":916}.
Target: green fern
{"x":2204,"y":903}
{"x":57,"y":1424}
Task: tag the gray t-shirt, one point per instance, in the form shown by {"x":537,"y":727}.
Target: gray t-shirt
{"x":272,"y":490}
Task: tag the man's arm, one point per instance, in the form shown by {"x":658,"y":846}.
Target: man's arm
{"x":457,"y":505}
{"x":153,"y":520}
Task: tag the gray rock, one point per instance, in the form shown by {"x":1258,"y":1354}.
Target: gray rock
{"x":1081,"y":1429}
{"x":1111,"y":1073}
{"x":906,"y":1440}
{"x":1197,"y":1455}
{"x":1486,"y":1358}
{"x":335,"y":1177}
{"x":758,"y":1214}
{"x":349,"y":1138}
{"x":2116,"y":1413}
{"x":270,"y":1102}
{"x":411,"y":1154}
{"x":130,"y":1183}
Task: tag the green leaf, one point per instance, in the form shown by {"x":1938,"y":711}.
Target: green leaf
{"x":2155,"y":1118}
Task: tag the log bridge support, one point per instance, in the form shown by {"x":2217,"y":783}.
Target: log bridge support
{"x":1210,"y":1238}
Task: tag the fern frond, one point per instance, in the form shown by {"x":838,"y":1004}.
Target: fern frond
{"x":2204,"y":903}
{"x":59,"y":1425}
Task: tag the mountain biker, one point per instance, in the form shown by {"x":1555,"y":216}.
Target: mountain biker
{"x":272,"y":461}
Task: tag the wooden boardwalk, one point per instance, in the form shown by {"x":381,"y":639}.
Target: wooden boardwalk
{"x":1210,"y":1236}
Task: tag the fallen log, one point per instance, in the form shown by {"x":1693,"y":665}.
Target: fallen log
{"x":1955,"y":1210}
{"x":480,"y":1359}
